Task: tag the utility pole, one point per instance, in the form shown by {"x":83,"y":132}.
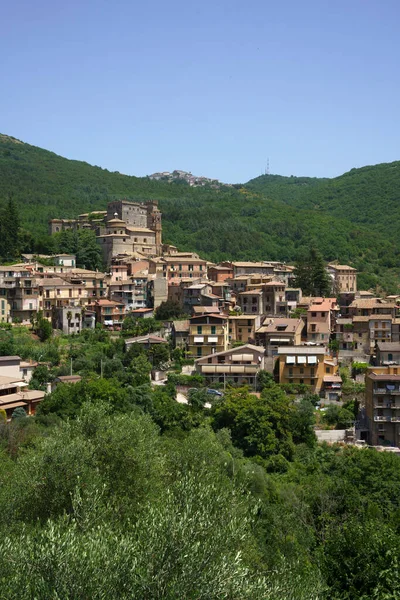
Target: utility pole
{"x":71,"y":367}
{"x":101,"y":368}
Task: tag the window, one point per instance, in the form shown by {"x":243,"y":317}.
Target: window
{"x":328,"y":370}
{"x":290,"y":372}
{"x":199,"y":351}
{"x":313,"y":314}
{"x":213,"y":329}
{"x":199,"y":329}
{"x":301,"y":371}
{"x":301,"y":381}
{"x":313,"y":328}
{"x":201,"y":267}
{"x":322,"y":314}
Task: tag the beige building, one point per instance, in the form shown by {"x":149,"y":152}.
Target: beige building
{"x":344,"y":278}
{"x":242,"y":328}
{"x":319,"y":320}
{"x":276,"y":332}
{"x":239,"y":365}
{"x":382,"y":405}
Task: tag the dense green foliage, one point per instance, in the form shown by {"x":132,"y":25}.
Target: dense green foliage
{"x":116,"y":490}
{"x":351,"y":218}
{"x":311,"y":276}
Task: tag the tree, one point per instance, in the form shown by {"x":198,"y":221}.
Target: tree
{"x":18,"y":413}
{"x":259,"y":426}
{"x":168,"y":310}
{"x":302,"y":423}
{"x":311,"y":275}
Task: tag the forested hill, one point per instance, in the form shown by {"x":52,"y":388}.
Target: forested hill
{"x":274,"y":219}
{"x":370,"y":195}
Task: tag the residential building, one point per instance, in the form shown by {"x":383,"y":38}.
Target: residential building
{"x":219,"y":274}
{"x":5,"y":307}
{"x":242,"y":328}
{"x":147,"y":340}
{"x":180,"y":334}
{"x":344,"y":278}
{"x":380,"y":329}
{"x":319,"y":320}
{"x":311,"y":366}
{"x":65,"y":379}
{"x":382,"y":405}
{"x":344,"y":333}
{"x":13,"y":394}
{"x":207,"y":334}
{"x":251,"y":302}
{"x":178,"y":266}
{"x":387,"y":353}
{"x":275,"y":332}
{"x":364,"y":307}
{"x":108,"y":312}
{"x":69,"y":318}
{"x":239,"y":366}
{"x":130,"y":290}
{"x":14,"y":366}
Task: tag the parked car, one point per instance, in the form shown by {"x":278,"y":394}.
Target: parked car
{"x":214,"y":392}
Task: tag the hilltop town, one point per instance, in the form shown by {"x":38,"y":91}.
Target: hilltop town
{"x":236,"y":318}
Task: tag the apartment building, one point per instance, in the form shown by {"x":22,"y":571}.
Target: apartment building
{"x":108,"y":312}
{"x":251,"y":302}
{"x":207,"y":334}
{"x":344,"y":333}
{"x":364,"y":307}
{"x":131,"y":290}
{"x":219,"y":274}
{"x":239,"y":366}
{"x":344,"y":278}
{"x":178,"y":266}
{"x":242,"y":328}
{"x":382,"y":405}
{"x":319,"y":320}
{"x":387,"y":353}
{"x":380,"y":329}
{"x":311,"y":366}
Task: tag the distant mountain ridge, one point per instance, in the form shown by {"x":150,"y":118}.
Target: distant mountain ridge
{"x":354,"y":218}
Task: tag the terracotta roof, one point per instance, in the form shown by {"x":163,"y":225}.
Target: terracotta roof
{"x":68,"y":378}
{"x":291,"y":326}
{"x":380,"y":317}
{"x":383,"y":377}
{"x":181,"y":326}
{"x":332,"y":379}
{"x":237,"y":350}
{"x":342,"y":267}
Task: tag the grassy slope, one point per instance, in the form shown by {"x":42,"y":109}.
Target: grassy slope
{"x":273,"y":217}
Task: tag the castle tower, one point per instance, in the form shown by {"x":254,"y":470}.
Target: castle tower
{"x":154,"y":223}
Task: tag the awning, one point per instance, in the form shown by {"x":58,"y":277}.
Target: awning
{"x":213,"y":340}
{"x":13,"y":405}
{"x":312,"y":360}
{"x":290,"y":360}
{"x":279,"y":341}
{"x":198,"y":340}
{"x":237,"y":357}
{"x":390,"y":387}
{"x":301,"y":360}
{"x":247,"y":357}
{"x":108,"y":322}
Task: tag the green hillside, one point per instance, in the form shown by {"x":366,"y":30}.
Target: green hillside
{"x":270,"y":218}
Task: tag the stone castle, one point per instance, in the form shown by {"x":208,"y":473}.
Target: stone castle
{"x":124,"y":228}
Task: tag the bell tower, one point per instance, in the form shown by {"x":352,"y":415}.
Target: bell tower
{"x":154,"y":223}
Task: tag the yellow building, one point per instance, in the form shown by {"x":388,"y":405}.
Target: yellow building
{"x":207,"y":334}
{"x":311,"y":366}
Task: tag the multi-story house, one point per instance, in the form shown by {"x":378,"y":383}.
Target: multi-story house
{"x":251,"y":302}
{"x":344,"y":333}
{"x":54,"y":292}
{"x":94,"y":282}
{"x":130,"y":290}
{"x":178,"y":266}
{"x":364,"y":307}
{"x":382,"y":405}
{"x":361,"y":340}
{"x":319,"y":320}
{"x":276,"y":332}
{"x":344,"y":277}
{"x":380,"y":329}
{"x":5,"y":307}
{"x":311,"y":366}
{"x":108,"y":313}
{"x":242,"y":328}
{"x":19,"y":291}
{"x":240,"y":365}
{"x":219,"y":274}
{"x":387,"y":353}
{"x":207,"y":334}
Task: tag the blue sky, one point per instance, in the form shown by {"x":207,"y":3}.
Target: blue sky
{"x":210,"y":87}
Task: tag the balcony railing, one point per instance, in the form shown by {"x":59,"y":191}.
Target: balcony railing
{"x":385,"y":418}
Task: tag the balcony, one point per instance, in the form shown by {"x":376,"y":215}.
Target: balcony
{"x":230,"y":369}
{"x":383,"y":405}
{"x":380,"y":391}
{"x":383,"y":418}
